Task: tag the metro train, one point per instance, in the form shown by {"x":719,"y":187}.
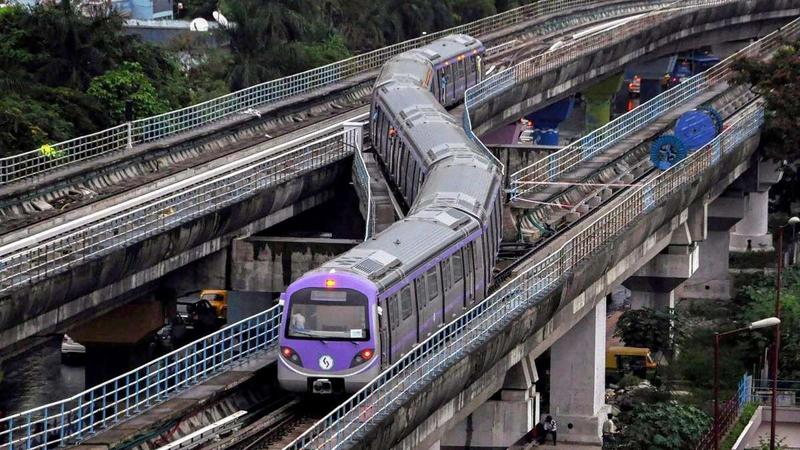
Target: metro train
{"x":365,"y":309}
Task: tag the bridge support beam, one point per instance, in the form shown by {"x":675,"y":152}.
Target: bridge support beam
{"x":712,"y":281}
{"x":504,"y":418}
{"x":653,"y":285}
{"x":577,"y":382}
{"x":751,"y":233}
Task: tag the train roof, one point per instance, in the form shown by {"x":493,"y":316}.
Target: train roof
{"x":465,"y":180}
{"x":448,"y":47}
{"x":406,"y":245}
{"x":408,"y":66}
{"x":428,"y":130}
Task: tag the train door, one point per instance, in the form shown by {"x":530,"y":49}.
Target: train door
{"x":407,"y":312}
{"x":442,"y":76}
{"x":451,"y":295}
{"x":390,"y":329}
{"x":435,"y":297}
{"x":469,"y":276}
{"x":421,"y":295}
{"x":480,"y":270}
{"x":460,"y":78}
{"x":457,"y":265}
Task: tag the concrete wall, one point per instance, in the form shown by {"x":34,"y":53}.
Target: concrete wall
{"x":271,"y":263}
{"x":549,"y":87}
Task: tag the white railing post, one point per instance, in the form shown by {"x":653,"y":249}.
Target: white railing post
{"x":130,"y":135}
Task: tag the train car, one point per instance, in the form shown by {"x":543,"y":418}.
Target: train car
{"x":367,"y":308}
{"x":456,"y":61}
{"x":411,"y":134}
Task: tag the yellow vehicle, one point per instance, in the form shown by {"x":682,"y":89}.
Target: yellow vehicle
{"x":218,"y":298}
{"x":623,"y":360}
{"x":232,"y":306}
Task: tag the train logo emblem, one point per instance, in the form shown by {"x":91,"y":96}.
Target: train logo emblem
{"x":326,"y":362}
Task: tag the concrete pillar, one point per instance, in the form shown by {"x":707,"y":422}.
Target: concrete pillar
{"x":751,"y":233}
{"x":577,"y":380}
{"x":546,"y":121}
{"x":505,"y":418}
{"x":712,"y":280}
{"x":598,"y":102}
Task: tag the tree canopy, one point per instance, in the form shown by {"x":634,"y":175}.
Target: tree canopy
{"x":778,"y":82}
{"x":66,"y":75}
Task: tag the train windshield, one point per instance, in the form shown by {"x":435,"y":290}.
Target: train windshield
{"x":331,"y":314}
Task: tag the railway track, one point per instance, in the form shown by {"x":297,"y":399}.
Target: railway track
{"x":276,"y":425}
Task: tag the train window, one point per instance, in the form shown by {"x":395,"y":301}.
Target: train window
{"x":405,"y":302}
{"x":458,"y":268}
{"x":394,"y":313}
{"x":420,"y":285}
{"x":446,"y":274}
{"x":433,"y":283}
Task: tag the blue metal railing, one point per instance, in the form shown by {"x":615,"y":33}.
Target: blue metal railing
{"x":75,"y":419}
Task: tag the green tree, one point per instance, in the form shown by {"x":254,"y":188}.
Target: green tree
{"x":649,"y":328}
{"x":778,"y":81}
{"x":757,"y":302}
{"x":661,"y":426}
{"x":128,"y":82}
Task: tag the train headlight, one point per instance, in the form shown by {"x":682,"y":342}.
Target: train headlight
{"x":362,"y":357}
{"x":291,"y":355}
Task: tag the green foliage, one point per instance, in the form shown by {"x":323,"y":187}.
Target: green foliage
{"x":744,"y":416}
{"x":128,"y":82}
{"x":65,"y":74}
{"x":763,"y":443}
{"x":661,"y":426}
{"x":776,"y":80}
{"x":649,"y":328}
{"x":758,"y":301}
{"x":50,"y":55}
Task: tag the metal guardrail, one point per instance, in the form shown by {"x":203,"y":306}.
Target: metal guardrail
{"x":362,"y":181}
{"x":70,"y":421}
{"x":729,"y":413}
{"x":451,"y":343}
{"x":552,"y":167}
{"x":55,"y":250}
{"x":54,"y":156}
{"x":788,"y":392}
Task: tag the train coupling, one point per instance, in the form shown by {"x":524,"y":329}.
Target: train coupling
{"x":322,"y":386}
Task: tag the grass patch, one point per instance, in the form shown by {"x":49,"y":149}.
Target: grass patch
{"x":747,"y":413}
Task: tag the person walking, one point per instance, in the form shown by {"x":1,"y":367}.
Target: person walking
{"x":550,"y":427}
{"x":609,"y":430}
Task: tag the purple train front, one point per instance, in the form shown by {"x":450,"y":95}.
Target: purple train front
{"x":328,"y":334}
